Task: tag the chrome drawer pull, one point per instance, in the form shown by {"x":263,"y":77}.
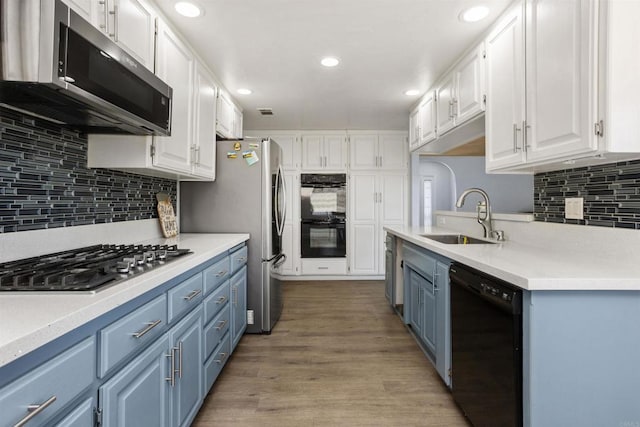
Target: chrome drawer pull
{"x":223,"y":356}
{"x":221,"y":300}
{"x":192,"y":295}
{"x":172,"y":366}
{"x":221,"y":325}
{"x":242,"y":259}
{"x":150,"y":326}
{"x":221,"y":273}
{"x":34,"y":410}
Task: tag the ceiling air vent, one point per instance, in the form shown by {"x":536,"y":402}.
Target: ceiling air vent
{"x":266,"y":111}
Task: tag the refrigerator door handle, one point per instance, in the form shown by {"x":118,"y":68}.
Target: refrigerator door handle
{"x":280,"y":259}
{"x":284,"y":200}
{"x":276,"y":201}
{"x":271,"y":258}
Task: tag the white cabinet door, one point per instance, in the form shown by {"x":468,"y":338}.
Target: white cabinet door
{"x":363,"y":152}
{"x":88,"y":9}
{"x":414,"y":129}
{"x":561,"y":93}
{"x":363,"y":258}
{"x":335,"y":152}
{"x":469,"y":78}
{"x":392,"y":189}
{"x":237,"y":122}
{"x":133,"y":28}
{"x":312,"y":152}
{"x":224,"y":115}
{"x":363,"y":197}
{"x":175,"y":67}
{"x":445,"y":98}
{"x":505,"y":92}
{"x":290,"y":149}
{"x":204,"y":147}
{"x":427,"y":126}
{"x":392,"y":150}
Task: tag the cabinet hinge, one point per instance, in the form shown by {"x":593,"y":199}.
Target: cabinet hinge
{"x":599,"y":128}
{"x":153,"y":150}
{"x":484,"y":53}
{"x":449,"y":373}
{"x":484,"y":100}
{"x":97,"y":417}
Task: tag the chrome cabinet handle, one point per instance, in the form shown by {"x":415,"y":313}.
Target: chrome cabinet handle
{"x":515,"y":138}
{"x":223,"y":356}
{"x":221,"y":300}
{"x":105,"y":10}
{"x":180,"y":359}
{"x":242,"y":259}
{"x":144,"y":331}
{"x":114,"y":12}
{"x":34,"y":410}
{"x":380,"y":196}
{"x":321,"y":161}
{"x":172,"y":367}
{"x":454,"y":113}
{"x":192,"y":295}
{"x":525,"y":144}
{"x":198,"y":156}
{"x":221,"y":273}
{"x":451,"y":109}
{"x":221,"y":325}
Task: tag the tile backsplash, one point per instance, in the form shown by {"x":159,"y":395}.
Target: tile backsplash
{"x":45,"y":182}
{"x":611,"y":194}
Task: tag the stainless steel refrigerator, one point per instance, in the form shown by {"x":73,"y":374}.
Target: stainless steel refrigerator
{"x":248,"y":195}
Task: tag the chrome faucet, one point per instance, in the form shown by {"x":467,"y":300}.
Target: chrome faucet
{"x":483,"y":210}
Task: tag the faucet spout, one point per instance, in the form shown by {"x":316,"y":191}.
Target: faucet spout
{"x":483,"y":209}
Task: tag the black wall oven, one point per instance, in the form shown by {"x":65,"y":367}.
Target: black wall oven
{"x":323,"y":203}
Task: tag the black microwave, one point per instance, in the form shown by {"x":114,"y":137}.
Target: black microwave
{"x":58,"y":66}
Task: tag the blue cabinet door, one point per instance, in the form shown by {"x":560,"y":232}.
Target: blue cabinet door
{"x":186,"y":345}
{"x":443,"y":322}
{"x":137,"y":396}
{"x":429,"y":309}
{"x":238,"y":306}
{"x":416,"y":315}
{"x":388,"y":276}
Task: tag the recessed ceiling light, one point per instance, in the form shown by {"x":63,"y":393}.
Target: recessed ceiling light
{"x":244,"y":91}
{"x":412,"y":92}
{"x":474,"y":14}
{"x":188,"y":9}
{"x":330,"y":61}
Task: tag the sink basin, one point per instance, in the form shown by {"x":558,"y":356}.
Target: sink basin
{"x":456,"y":239}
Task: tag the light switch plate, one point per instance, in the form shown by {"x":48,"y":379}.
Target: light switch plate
{"x":574,"y":208}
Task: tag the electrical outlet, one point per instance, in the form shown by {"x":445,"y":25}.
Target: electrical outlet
{"x":441,"y":220}
{"x":574,"y":208}
{"x":250,"y":317}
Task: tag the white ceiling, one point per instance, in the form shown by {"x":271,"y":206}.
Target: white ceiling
{"x":385,"y":46}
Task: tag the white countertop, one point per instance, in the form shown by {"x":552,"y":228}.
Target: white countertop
{"x":28,"y":321}
{"x":538,"y":266}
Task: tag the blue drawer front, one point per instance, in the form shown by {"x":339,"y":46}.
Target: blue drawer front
{"x":215,"y":330}
{"x":238,"y":259}
{"x":185,"y":297}
{"x":131,"y":333}
{"x":216,"y":274}
{"x":64,"y":377}
{"x":216,"y":302}
{"x":419,"y":261}
{"x":215,"y":363}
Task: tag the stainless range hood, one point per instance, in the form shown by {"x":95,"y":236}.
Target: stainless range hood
{"x":56,"y":65}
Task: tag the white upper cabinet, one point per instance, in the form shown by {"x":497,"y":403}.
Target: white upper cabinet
{"x":204,"y":141}
{"x":469,"y":85}
{"x":324,"y":152}
{"x":129,"y":23}
{"x":445,"y":95}
{"x":414,"y":129}
{"x":228,"y":117}
{"x":290,"y":144}
{"x":427,"y":121}
{"x":369,"y":151}
{"x":176,"y":67}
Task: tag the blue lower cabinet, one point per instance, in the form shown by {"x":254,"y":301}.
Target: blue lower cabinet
{"x":81,"y":416}
{"x":186,"y":347}
{"x":238,"y":306}
{"x":216,"y":362}
{"x":138,"y":395}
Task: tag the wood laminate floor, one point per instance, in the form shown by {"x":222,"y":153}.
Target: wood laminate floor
{"x":338,"y":356}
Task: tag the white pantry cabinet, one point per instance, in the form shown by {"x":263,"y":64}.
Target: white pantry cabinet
{"x":368,"y":151}
{"x":375,"y":200}
{"x":322,"y":152}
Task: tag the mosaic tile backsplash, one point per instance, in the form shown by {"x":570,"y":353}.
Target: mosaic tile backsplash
{"x":45,"y":182}
{"x":611,"y":194}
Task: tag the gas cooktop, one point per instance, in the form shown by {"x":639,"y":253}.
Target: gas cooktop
{"x":85,"y":269}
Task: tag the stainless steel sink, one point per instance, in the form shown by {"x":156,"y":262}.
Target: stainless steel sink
{"x":456,"y":239}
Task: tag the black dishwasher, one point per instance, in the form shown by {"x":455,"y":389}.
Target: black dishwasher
{"x":486,"y":347}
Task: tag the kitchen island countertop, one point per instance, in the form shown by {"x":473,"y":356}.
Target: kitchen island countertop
{"x":538,"y":266}
{"x":30,"y":320}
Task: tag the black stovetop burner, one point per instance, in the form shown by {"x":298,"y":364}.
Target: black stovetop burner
{"x":85,"y":269}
